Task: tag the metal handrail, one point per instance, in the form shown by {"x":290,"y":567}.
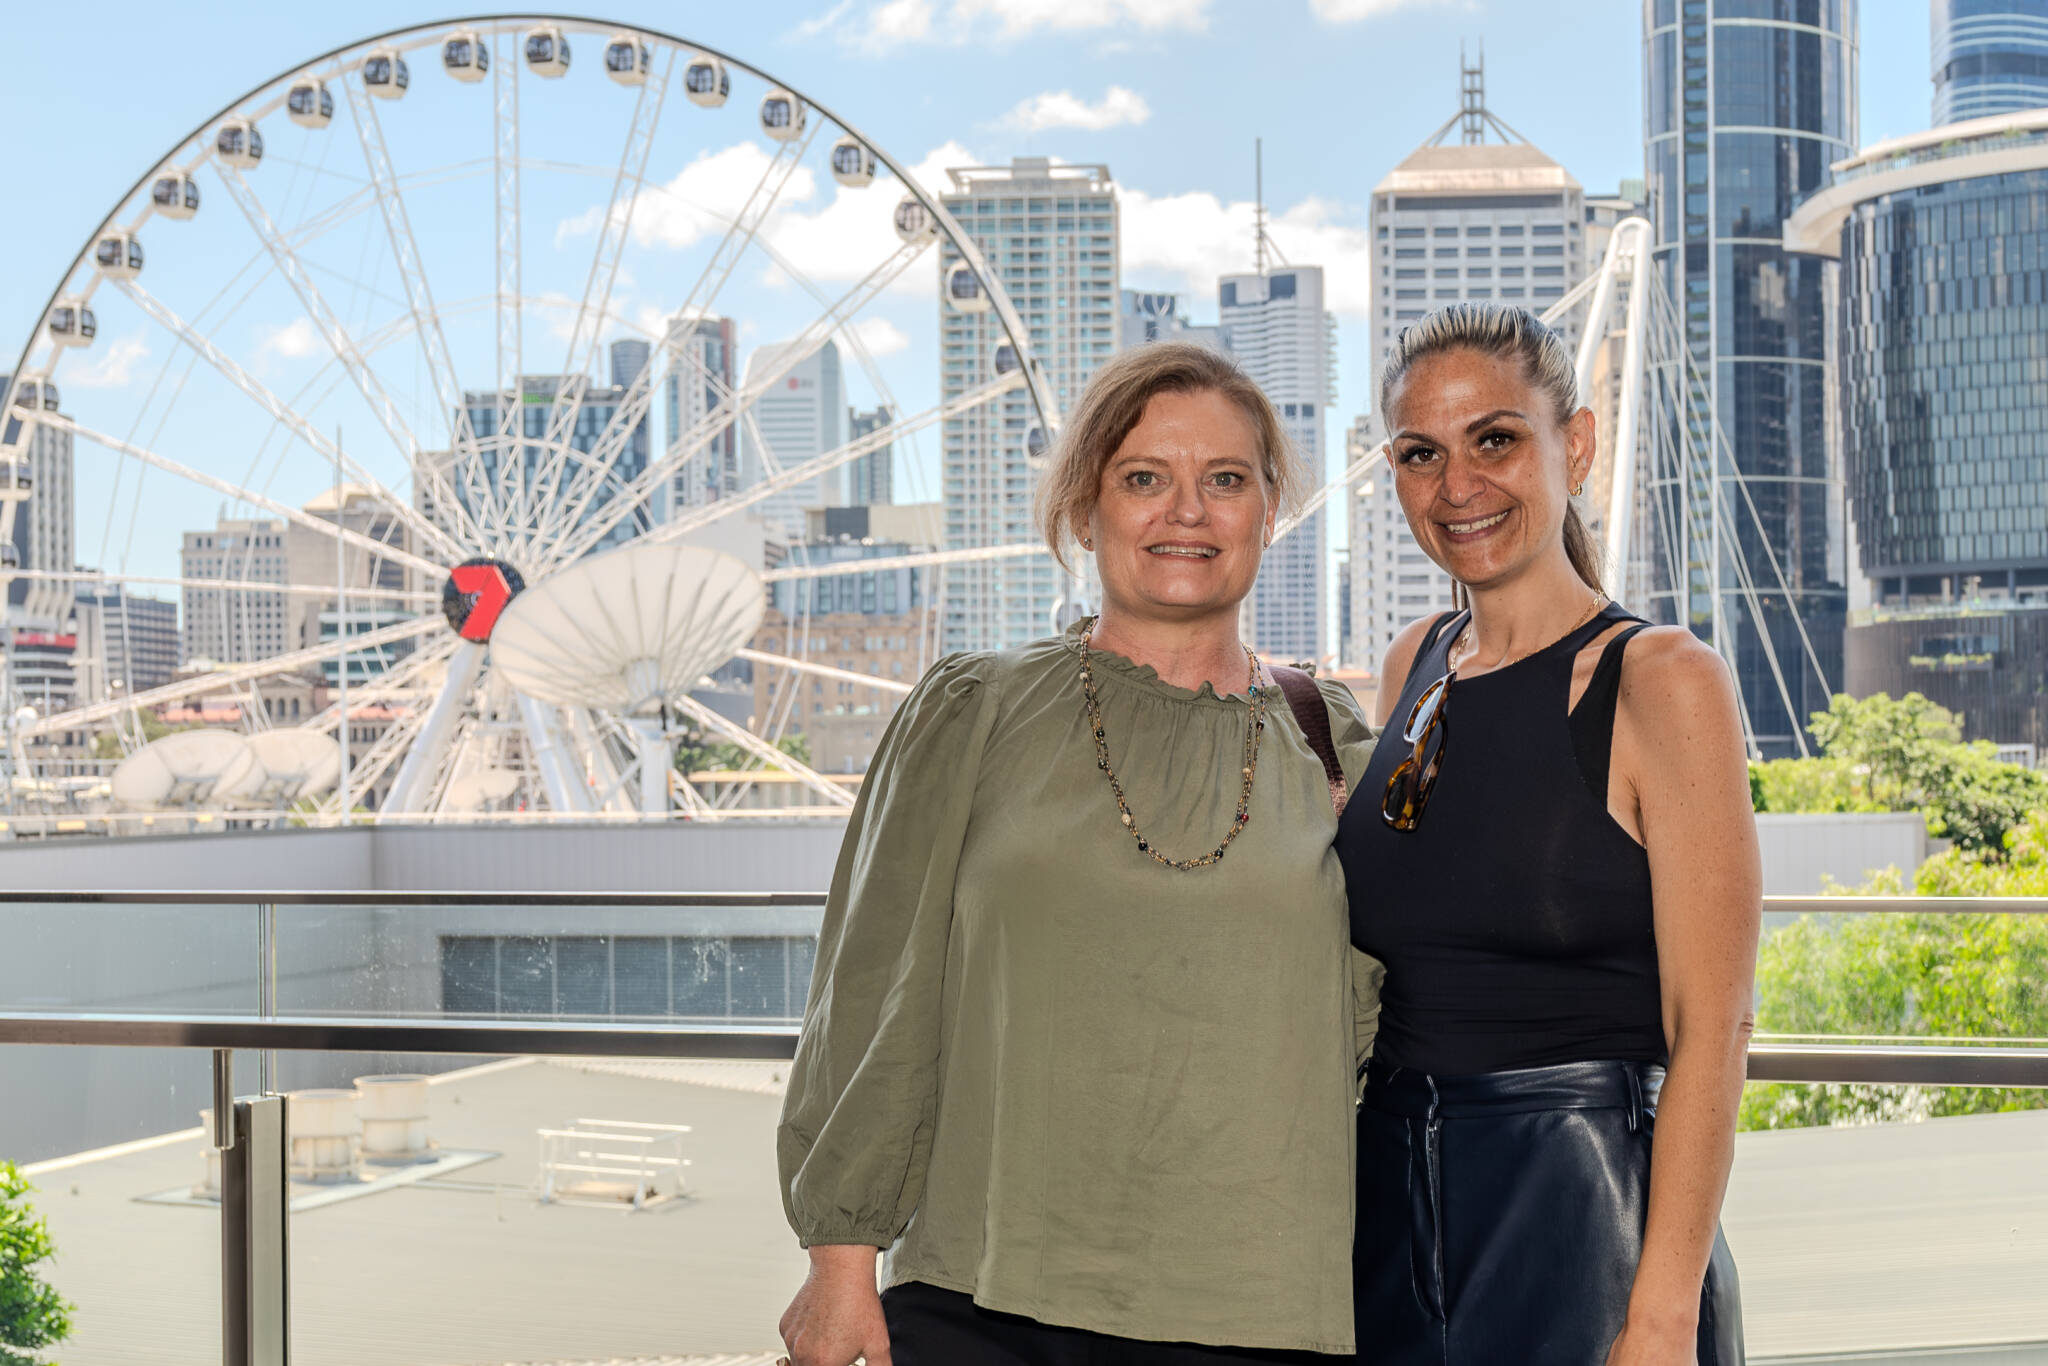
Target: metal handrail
{"x":1990,"y":1064}
{"x":1795,"y":905}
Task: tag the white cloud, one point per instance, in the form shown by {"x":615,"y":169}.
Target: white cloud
{"x":1064,"y":109}
{"x":834,"y":240}
{"x":892,"y":23}
{"x":1184,"y":242}
{"x":819,"y":23}
{"x":295,"y":340}
{"x":110,"y":365}
{"x":1352,"y":11}
{"x":880,"y":337}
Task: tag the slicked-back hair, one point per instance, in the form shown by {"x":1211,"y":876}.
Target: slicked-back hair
{"x":1114,"y":403}
{"x":1506,"y":333}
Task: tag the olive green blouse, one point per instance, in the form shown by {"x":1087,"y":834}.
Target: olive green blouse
{"x":1041,"y":1068}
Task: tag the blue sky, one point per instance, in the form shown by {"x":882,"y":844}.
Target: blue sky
{"x":1168,"y":93}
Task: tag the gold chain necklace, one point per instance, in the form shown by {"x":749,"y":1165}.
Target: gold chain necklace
{"x":1254,"y":727}
{"x":1465,"y":640}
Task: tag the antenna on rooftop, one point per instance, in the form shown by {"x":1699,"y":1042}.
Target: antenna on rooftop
{"x":1472,"y":97}
{"x":1473,"y":119}
{"x":1259,"y":203}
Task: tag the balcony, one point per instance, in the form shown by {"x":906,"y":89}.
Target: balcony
{"x":586,"y":1171}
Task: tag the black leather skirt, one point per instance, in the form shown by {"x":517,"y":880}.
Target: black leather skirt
{"x":1500,"y":1217}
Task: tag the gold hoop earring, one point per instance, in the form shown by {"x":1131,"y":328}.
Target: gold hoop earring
{"x":1580,"y":491}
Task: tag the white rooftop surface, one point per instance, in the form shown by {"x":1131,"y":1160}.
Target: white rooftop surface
{"x":1888,"y":1243}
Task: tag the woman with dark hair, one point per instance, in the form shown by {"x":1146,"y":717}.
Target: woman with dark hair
{"x":1553,"y":854}
{"x":1078,"y":1054}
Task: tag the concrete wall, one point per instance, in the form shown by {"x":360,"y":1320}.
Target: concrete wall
{"x":1802,"y":851}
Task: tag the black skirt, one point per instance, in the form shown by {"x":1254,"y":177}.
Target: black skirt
{"x":1500,"y":1217}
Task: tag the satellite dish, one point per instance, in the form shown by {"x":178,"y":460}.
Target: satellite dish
{"x":291,"y":764}
{"x":627,"y":630}
{"x":484,"y":790}
{"x":185,"y":768}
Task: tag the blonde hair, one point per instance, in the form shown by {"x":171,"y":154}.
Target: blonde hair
{"x":1114,"y":403}
{"x":1506,"y":333}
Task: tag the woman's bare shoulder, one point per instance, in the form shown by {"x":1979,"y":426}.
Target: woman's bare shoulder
{"x":1400,"y":658}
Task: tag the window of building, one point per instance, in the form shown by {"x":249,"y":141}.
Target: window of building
{"x":1409,"y":253}
{"x":1445,"y":232}
{"x":1547,"y":230}
{"x":1446,"y":253}
{"x":1408,"y":232}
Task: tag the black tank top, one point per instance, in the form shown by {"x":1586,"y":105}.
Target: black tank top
{"x":1514,"y":920}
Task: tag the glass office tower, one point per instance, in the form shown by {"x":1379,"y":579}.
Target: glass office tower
{"x":1990,"y":57}
{"x":1747,"y":104}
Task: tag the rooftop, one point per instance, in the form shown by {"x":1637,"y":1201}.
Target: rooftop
{"x":1889,"y":1243}
{"x":1460,"y":168}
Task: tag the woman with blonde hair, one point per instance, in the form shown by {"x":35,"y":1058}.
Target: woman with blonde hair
{"x":1078,"y":1055}
{"x":1553,"y":854}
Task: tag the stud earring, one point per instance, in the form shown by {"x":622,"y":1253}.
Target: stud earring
{"x":1266,"y":538}
{"x":1087,"y":544}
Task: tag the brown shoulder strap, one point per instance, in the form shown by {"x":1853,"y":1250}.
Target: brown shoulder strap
{"x":1305,"y":699}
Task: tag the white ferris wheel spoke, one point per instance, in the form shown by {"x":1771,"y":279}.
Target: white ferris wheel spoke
{"x":762,"y":750}
{"x":1353,"y":472}
{"x":604,"y":261}
{"x":505,"y":241}
{"x":878,"y":439}
{"x":290,"y":590}
{"x":376,"y":548}
{"x":611,"y":442}
{"x":291,"y":662}
{"x":336,"y":336}
{"x":284,"y":413}
{"x":402,"y":679}
{"x":805,"y":666}
{"x":405,"y":253}
{"x":928,"y":559}
{"x":581,"y":535}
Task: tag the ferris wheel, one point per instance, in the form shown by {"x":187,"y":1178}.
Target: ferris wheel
{"x":507,"y":326}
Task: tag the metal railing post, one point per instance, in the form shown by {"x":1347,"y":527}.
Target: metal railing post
{"x":266,"y":991}
{"x":255,"y":1237}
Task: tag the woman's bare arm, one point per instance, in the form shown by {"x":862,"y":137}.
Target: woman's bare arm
{"x":1679,"y":747}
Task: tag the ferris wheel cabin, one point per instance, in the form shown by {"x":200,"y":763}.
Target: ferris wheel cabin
{"x":853,"y":165}
{"x":626,"y":59}
{"x":118,"y":255}
{"x":914,"y":222}
{"x":385,"y":74}
{"x":175,"y":195}
{"x":33,"y":394}
{"x":547,"y":51}
{"x":466,"y":57}
{"x":964,"y":290}
{"x":310,"y":103}
{"x":1003,"y":356}
{"x":782,"y":116}
{"x":240,"y":144}
{"x":72,"y":323}
{"x":707,"y":82}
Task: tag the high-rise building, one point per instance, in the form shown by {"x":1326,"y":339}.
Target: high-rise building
{"x":876,"y":622}
{"x":700,"y":381}
{"x":314,"y":558}
{"x":1049,"y":232}
{"x":1143,"y":317}
{"x":1466,"y":221}
{"x":518,"y":482}
{"x":1942,"y":343}
{"x":1742,"y":120}
{"x":872,"y":478}
{"x":1990,"y":57}
{"x":42,"y":532}
{"x":1274,"y":326}
{"x":236,"y":625}
{"x":128,"y":643}
{"x":798,"y":419}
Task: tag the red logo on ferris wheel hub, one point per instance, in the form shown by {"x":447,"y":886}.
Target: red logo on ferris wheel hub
{"x":475,"y":596}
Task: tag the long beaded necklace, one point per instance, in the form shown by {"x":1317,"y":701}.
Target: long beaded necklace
{"x":1254,"y":727}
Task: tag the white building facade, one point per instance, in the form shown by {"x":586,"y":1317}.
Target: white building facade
{"x":1049,"y":233}
{"x":236,"y":625}
{"x":1275,"y":327}
{"x":700,"y":382}
{"x":799,"y":419}
{"x":1500,"y":223}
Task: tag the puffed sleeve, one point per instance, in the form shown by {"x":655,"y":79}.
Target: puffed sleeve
{"x":856,"y":1126}
{"x":1354,"y":738}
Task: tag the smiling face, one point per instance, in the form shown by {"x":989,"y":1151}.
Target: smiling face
{"x":1182,"y":510}
{"x":1483,"y":465}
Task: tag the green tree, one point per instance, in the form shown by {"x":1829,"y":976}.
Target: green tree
{"x":107,"y":745}
{"x":32,"y":1315}
{"x":1908,"y":754}
{"x":697,"y":752}
{"x":1927,"y":975}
